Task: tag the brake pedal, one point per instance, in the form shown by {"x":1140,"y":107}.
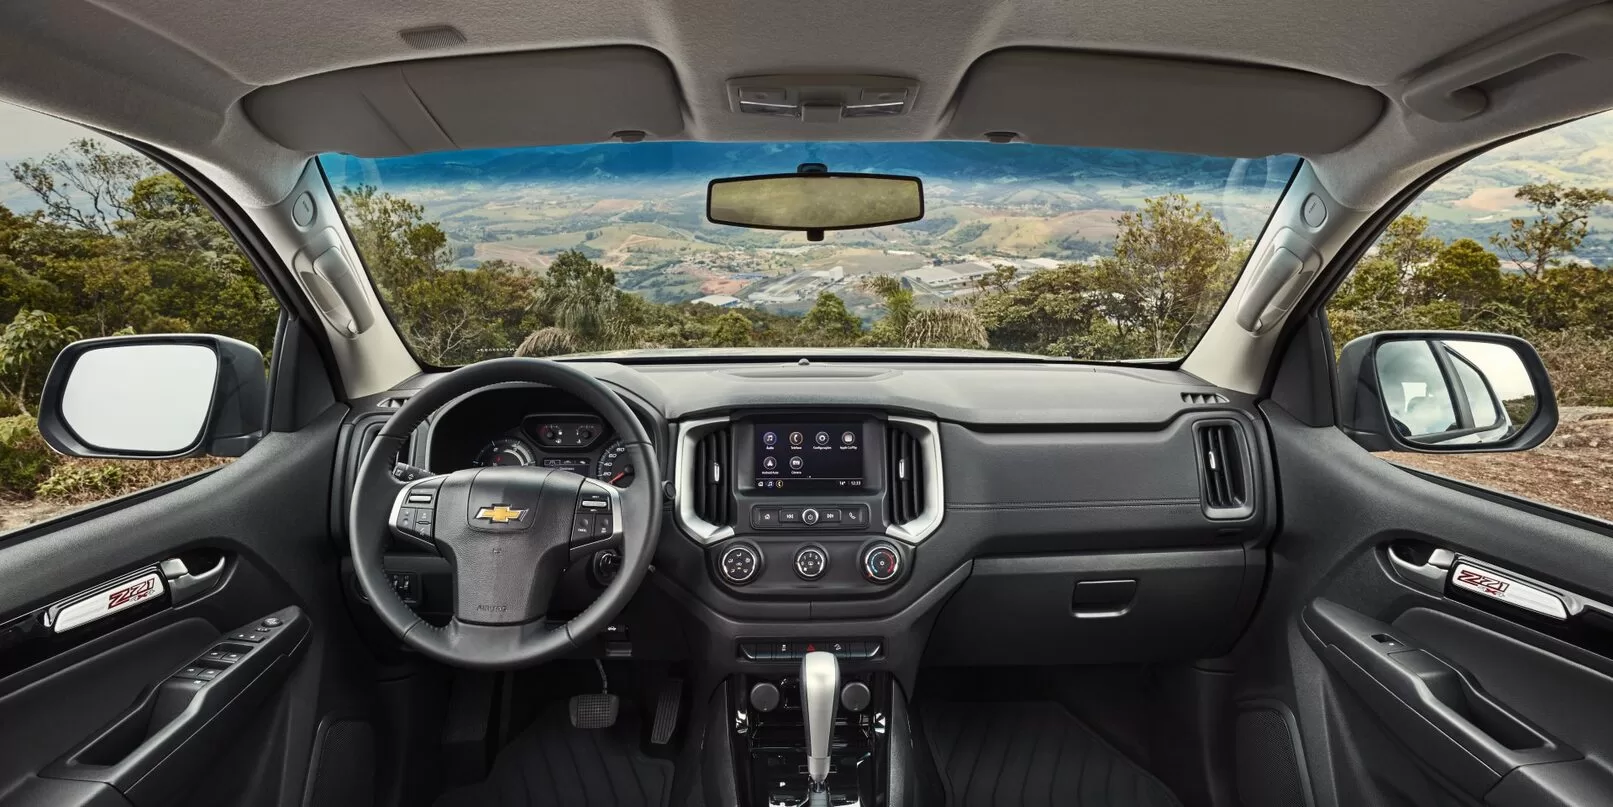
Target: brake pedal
{"x":666,"y":712}
{"x":596,"y":711}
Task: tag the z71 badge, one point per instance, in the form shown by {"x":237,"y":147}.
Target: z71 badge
{"x":1497,"y":585}
{"x":107,"y":601}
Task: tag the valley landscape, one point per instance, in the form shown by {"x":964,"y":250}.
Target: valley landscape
{"x":639,"y":209}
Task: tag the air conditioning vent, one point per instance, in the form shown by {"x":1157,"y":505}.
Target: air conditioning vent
{"x":1201,"y":398}
{"x":711,"y":485}
{"x":1224,"y":469}
{"x":904,"y":475}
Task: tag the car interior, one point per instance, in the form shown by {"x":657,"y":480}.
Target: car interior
{"x":759,"y":577}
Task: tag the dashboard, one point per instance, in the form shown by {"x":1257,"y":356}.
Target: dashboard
{"x":968,"y":513}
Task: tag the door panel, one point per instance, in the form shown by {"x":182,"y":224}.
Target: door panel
{"x":100,"y":701}
{"x":1408,"y":689}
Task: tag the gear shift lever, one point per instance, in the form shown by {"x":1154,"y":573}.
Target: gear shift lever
{"x":820,"y":694}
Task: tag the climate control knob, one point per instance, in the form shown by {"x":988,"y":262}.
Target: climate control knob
{"x":881,"y":563}
{"x":739,"y":564}
{"x":811,"y":562}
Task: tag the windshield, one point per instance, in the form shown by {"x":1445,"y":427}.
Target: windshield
{"x":1091,"y":254}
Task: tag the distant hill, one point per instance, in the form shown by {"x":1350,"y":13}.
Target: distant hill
{"x":1476,"y":200}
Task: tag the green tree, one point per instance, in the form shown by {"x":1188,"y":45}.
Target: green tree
{"x":581,"y":296}
{"x":732,"y":330}
{"x":449,"y":316}
{"x":28,"y":345}
{"x":829,"y":323}
{"x":1051,"y":311}
{"x":1561,"y":222}
{"x":1464,"y":272}
{"x":1381,"y":291}
{"x":896,"y":298}
{"x":1170,"y":271}
{"x":86,"y":185}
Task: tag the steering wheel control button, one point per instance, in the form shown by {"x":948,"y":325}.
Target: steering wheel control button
{"x":881,"y":563}
{"x":811,"y":561}
{"x":602,"y":525}
{"x":809,"y":516}
{"x":740,"y":564}
{"x":582,"y":527}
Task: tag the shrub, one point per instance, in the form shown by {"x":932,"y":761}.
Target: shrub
{"x":81,"y":481}
{"x":25,"y":460}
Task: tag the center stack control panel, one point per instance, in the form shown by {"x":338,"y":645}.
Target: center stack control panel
{"x":810,"y":508}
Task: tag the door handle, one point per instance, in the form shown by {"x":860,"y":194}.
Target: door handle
{"x":1429,"y":574}
{"x":183,"y":585}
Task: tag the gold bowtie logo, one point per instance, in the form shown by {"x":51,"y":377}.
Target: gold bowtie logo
{"x":500,"y":514}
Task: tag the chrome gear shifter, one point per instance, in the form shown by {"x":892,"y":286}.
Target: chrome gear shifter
{"x":820,"y":694}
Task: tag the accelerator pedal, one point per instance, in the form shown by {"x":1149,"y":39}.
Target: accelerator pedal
{"x":596,"y":711}
{"x":666,"y":711}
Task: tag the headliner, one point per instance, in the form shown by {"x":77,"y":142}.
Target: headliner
{"x":173,"y":72}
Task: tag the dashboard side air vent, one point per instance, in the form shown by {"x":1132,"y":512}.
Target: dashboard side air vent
{"x":711,"y":484}
{"x":904,"y":475}
{"x":1201,"y":398}
{"x":1226,"y":484}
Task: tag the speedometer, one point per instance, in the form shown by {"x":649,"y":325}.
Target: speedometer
{"x":614,"y":466}
{"x":504,"y":452}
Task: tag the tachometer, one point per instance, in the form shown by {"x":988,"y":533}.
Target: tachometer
{"x":613,"y":465}
{"x":506,"y":451}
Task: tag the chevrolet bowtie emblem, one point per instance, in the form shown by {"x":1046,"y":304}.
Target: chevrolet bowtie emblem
{"x":500,"y":514}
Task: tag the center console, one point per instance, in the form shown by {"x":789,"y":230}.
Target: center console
{"x":771,"y":750}
{"x":793,"y":509}
{"x":809,"y":504}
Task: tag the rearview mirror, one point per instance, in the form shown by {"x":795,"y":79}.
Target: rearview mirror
{"x":814,"y":202}
{"x":154,"y":397}
{"x":1445,"y":391}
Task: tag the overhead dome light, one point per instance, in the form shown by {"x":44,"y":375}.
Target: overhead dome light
{"x":822,"y":99}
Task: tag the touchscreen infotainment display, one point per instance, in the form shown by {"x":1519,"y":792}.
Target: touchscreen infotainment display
{"x":814,"y":457}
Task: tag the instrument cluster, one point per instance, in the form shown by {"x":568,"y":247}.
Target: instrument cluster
{"x":576,"y":443}
{"x":527,"y":426}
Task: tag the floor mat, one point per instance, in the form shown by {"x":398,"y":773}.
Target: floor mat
{"x":1031,"y":754}
{"x":553,"y":764}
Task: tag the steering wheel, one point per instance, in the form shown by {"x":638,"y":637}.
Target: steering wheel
{"x":508,"y":532}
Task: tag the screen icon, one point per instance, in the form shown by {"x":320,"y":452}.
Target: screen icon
{"x":770,"y":438}
{"x":822,"y":438}
{"x":797,"y":438}
{"x":847,"y":438}
{"x":796,"y":463}
{"x":769,"y":463}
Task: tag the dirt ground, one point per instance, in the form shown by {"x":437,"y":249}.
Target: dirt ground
{"x":15,"y":514}
{"x":1573,"y":470}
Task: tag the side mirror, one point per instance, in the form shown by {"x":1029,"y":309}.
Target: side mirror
{"x":155,"y":397}
{"x":1450,"y":391}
